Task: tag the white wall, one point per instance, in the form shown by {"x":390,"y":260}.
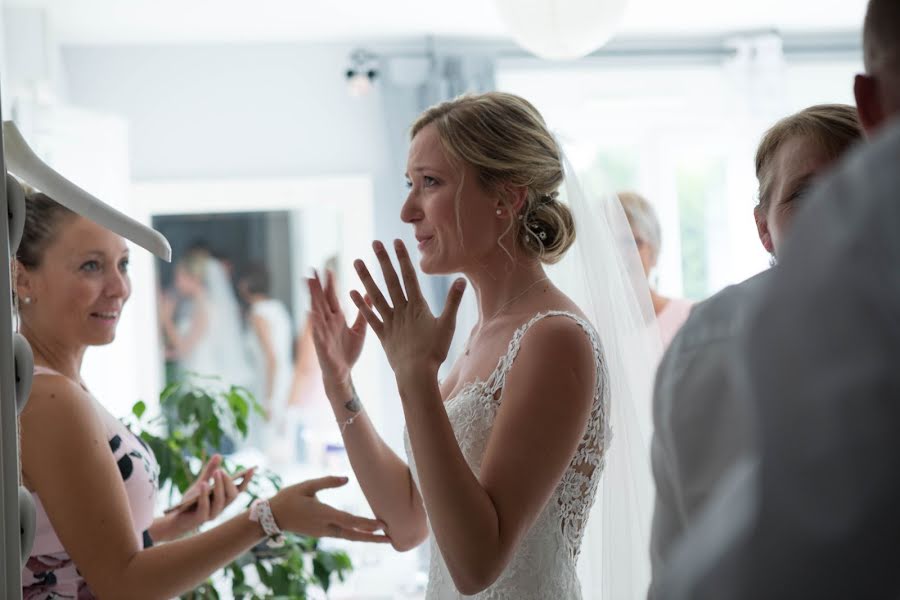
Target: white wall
{"x":231,"y":111}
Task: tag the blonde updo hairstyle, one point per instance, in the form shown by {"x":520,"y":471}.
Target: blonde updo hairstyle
{"x":505,"y":139}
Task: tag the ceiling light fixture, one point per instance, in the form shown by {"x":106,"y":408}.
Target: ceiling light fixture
{"x":561,"y":29}
{"x":362,"y":72}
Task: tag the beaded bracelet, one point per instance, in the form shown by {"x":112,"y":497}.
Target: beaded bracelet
{"x":261,"y":512}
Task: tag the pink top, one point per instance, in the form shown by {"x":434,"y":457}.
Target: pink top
{"x":49,"y":572}
{"x":672,"y":317}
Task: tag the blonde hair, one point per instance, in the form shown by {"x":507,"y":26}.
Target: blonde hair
{"x":194,"y":264}
{"x":505,"y":139}
{"x":835,"y":127}
{"x":642,"y":219}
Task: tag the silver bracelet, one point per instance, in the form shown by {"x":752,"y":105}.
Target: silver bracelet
{"x":261,"y":512}
{"x":347,"y":422}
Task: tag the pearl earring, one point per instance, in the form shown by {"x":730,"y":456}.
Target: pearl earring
{"x":27,"y":299}
{"x":499,"y":212}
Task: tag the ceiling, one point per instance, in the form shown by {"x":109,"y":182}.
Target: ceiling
{"x":185,"y":21}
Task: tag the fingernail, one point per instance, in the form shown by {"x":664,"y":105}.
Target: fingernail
{"x":377,"y":246}
{"x":358,"y":264}
{"x":460,"y":284}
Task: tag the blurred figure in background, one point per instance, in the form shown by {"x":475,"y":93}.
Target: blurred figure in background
{"x":270,"y":339}
{"x":702,"y":425}
{"x":201,"y":321}
{"x":671,"y":313}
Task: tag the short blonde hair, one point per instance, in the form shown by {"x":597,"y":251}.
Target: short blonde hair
{"x":505,"y":139}
{"x":835,"y":127}
{"x":642,"y":219}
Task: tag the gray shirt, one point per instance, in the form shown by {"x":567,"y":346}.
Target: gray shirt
{"x":821,"y":364}
{"x":700,"y":426}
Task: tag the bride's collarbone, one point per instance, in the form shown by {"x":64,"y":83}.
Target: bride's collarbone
{"x":488,"y":344}
{"x":486,"y":348}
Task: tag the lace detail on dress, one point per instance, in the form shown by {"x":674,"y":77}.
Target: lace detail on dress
{"x":544,"y":564}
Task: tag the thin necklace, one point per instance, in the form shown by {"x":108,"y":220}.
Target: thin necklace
{"x":507,"y":303}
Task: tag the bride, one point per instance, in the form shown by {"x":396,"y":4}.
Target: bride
{"x":205,"y":338}
{"x":505,"y":454}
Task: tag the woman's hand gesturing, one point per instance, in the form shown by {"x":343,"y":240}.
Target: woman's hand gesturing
{"x":297,"y":509}
{"x":337,"y":346}
{"x":414,"y":340}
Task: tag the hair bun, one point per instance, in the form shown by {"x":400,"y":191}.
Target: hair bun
{"x":549,"y":229}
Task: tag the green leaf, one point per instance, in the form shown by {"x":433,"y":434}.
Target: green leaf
{"x":237,"y":574}
{"x":280,"y":581}
{"x":139,"y":409}
{"x":242,"y":426}
{"x":322,"y":573}
{"x":169,"y":391}
{"x":342,"y":560}
{"x":264,"y":576}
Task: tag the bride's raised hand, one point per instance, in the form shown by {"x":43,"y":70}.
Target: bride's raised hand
{"x":413,"y":338}
{"x":337,"y":346}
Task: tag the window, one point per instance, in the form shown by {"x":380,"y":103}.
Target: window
{"x":683,"y":133}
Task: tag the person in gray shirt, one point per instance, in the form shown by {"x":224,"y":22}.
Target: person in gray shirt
{"x":701,"y":428}
{"x":818,"y":366}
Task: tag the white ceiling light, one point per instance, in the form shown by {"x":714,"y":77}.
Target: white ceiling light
{"x":561,"y":29}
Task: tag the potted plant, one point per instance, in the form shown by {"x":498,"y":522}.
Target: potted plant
{"x":201,"y":414}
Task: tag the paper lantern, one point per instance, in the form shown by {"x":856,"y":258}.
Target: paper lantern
{"x":561,"y":29}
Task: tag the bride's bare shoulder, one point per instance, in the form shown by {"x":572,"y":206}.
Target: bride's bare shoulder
{"x":556,"y":344}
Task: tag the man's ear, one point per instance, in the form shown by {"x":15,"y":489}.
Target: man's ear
{"x":868,"y":103}
{"x":762,"y":229}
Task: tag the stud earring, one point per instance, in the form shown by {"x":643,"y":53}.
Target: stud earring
{"x":499,"y":212}
{"x":27,"y":299}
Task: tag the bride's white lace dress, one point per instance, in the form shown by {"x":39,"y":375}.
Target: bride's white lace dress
{"x":543,"y":566}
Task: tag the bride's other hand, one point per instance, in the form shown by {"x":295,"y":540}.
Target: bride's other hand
{"x":414,"y":340}
{"x":337,"y":346}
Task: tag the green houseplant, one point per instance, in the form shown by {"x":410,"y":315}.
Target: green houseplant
{"x":201,"y":414}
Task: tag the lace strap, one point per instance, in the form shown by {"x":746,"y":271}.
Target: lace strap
{"x":498,"y":378}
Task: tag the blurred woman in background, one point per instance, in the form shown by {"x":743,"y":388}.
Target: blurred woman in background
{"x":671,"y":313}
{"x":270,"y":339}
{"x":204,"y":337}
